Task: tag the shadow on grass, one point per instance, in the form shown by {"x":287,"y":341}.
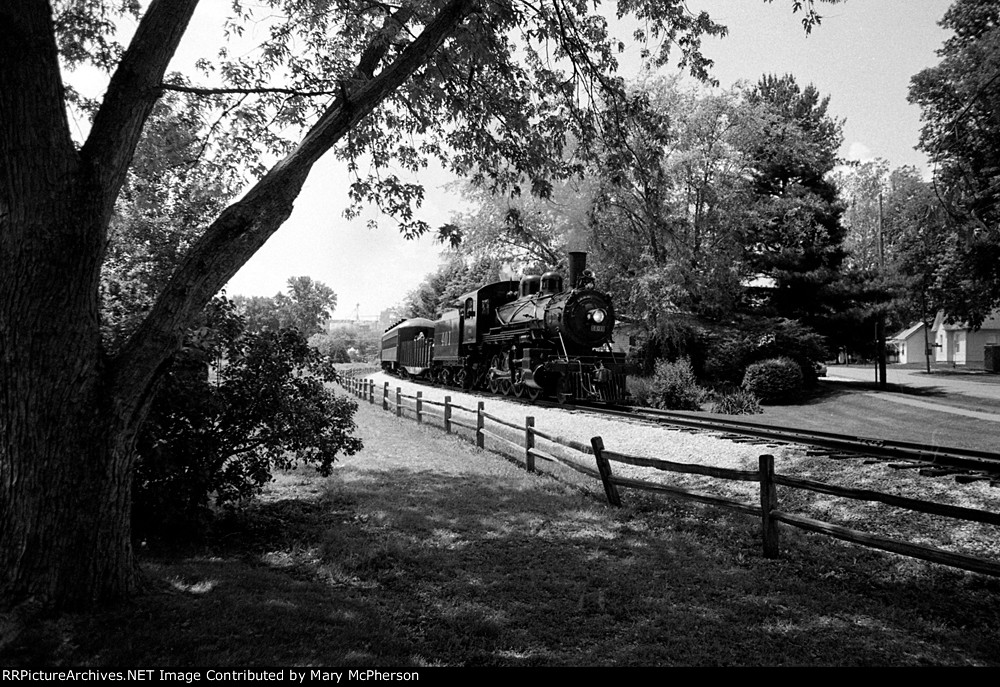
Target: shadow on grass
{"x":406,"y":567}
{"x":827,"y":390}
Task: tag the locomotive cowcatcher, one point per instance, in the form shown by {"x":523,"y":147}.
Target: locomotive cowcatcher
{"x":532,"y":338}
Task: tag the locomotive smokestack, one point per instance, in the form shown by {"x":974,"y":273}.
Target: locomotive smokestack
{"x":577,"y":264}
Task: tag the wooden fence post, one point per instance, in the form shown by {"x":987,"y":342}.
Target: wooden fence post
{"x":364,"y":390}
{"x":768,"y":503}
{"x":447,"y":414}
{"x":385,"y":396}
{"x":371,"y":389}
{"x":420,"y":403}
{"x":480,"y":437}
{"x":529,"y":443}
{"x":604,"y":467}
{"x":399,"y":402}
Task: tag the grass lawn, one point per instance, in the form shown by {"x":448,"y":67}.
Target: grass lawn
{"x":860,"y":409}
{"x":423,"y":551}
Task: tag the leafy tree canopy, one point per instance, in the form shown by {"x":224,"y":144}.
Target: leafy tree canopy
{"x":307,"y":306}
{"x":960,"y":103}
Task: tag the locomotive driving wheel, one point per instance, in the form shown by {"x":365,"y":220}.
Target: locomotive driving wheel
{"x":499,"y":376}
{"x":520,"y":390}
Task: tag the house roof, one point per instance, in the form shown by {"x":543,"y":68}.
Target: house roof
{"x":907,"y":333}
{"x":991,"y":322}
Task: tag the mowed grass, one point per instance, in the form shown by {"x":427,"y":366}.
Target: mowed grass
{"x":423,"y":551}
{"x":858,"y":408}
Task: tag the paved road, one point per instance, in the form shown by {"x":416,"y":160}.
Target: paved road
{"x":979,"y":385}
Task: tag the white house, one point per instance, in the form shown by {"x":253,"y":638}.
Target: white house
{"x":909,"y":344}
{"x":958,"y":344}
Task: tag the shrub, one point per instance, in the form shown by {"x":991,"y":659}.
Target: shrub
{"x":671,"y":340}
{"x":739,"y":402}
{"x":218,"y":440}
{"x":774,"y":380}
{"x":641,"y":390}
{"x":729,"y":351}
{"x":673,"y":386}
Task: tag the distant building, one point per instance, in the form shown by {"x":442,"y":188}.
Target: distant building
{"x":959,"y":344}
{"x":909,"y":344}
{"x":353,"y":325}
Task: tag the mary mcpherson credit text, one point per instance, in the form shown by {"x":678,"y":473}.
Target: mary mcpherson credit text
{"x":158,"y":675}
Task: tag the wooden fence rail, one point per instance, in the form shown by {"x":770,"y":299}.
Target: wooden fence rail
{"x":768,"y":509}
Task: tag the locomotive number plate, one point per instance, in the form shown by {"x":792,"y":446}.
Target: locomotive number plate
{"x":597,"y":327}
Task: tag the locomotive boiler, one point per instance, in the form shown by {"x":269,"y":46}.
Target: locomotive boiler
{"x":540,"y":336}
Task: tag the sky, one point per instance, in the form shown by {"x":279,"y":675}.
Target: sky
{"x":862,"y":56}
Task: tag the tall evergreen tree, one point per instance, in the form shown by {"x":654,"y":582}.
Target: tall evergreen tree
{"x":797,"y":237}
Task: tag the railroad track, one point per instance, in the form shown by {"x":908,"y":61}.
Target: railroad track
{"x":965,"y":465}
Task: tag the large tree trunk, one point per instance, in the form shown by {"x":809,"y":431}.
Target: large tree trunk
{"x":64,"y":450}
{"x":69,"y":414}
{"x":65,"y":442}
{"x":66,"y":496}
{"x":65,"y":455}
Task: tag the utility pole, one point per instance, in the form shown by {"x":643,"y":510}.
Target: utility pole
{"x":880,"y":372}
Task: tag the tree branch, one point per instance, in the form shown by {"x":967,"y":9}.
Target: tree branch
{"x":243,"y":227}
{"x":132,"y":93}
{"x":198,"y":90}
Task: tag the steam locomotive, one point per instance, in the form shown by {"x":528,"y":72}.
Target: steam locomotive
{"x":530,"y":338}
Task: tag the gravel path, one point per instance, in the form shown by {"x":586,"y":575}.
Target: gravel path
{"x":641,"y":439}
{"x":621,"y":436}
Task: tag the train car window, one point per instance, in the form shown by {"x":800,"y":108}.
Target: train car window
{"x":469,"y":310}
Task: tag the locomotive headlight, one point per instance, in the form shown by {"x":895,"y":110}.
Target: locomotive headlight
{"x":597,"y":315}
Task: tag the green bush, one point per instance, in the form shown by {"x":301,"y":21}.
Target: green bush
{"x":673,"y":338}
{"x":729,"y":351}
{"x":739,"y":402}
{"x":775,"y":380}
{"x":641,"y":390}
{"x":217,"y":439}
{"x":673,"y":386}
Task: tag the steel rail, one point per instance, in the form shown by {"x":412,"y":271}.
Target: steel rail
{"x":969,"y":459}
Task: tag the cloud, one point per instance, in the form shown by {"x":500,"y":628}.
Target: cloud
{"x":860,"y":152}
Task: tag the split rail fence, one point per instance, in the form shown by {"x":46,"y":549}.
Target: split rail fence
{"x":768,"y":509}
